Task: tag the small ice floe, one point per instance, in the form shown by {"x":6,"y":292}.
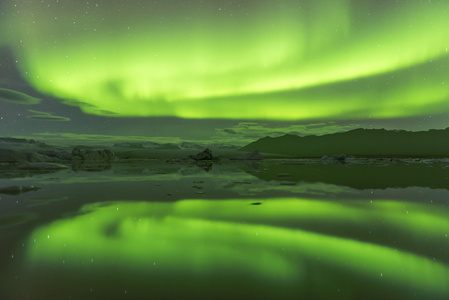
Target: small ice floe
{"x":42,"y":166}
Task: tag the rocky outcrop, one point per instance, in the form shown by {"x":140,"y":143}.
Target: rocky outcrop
{"x":203,"y":155}
{"x":255,"y":155}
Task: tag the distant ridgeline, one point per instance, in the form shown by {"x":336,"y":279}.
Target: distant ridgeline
{"x":359,"y":143}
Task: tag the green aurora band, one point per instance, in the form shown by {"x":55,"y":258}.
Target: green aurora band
{"x":205,"y":238}
{"x":283,"y":60}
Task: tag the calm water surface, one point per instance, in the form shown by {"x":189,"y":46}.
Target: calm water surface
{"x":275,"y":230}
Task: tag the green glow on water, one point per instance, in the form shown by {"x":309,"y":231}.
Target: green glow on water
{"x":275,"y":59}
{"x":207,"y":238}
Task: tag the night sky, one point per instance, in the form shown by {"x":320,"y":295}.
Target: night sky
{"x":229,"y":71}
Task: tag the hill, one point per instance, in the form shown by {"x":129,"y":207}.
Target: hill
{"x":359,"y":143}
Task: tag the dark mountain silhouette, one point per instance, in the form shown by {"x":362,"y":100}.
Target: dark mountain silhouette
{"x":359,"y":143}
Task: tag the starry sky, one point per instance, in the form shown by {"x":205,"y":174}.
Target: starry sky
{"x":229,"y":71}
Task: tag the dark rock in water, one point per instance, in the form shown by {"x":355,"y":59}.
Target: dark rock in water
{"x":93,"y":155}
{"x":204,"y":155}
{"x":129,"y":145}
{"x":17,"y":190}
{"x":336,"y":158}
{"x":255,"y":155}
{"x":206,"y":165}
{"x":339,"y":157}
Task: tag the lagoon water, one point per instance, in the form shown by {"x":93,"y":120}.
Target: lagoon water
{"x":277,"y":229}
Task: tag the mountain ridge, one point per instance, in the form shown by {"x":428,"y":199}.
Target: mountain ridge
{"x":358,"y":142}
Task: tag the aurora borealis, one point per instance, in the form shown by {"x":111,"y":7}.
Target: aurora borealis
{"x":124,"y":171}
{"x":281,"y":242}
{"x":271,"y":60}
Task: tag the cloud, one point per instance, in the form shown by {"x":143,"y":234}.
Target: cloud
{"x":45,"y":116}
{"x":64,"y":138}
{"x":230,"y":131}
{"x":17,"y":97}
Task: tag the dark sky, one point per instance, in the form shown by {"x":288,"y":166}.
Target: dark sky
{"x":221,"y":70}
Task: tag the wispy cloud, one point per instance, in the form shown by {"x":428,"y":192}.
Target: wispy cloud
{"x":17,"y":97}
{"x":45,"y":116}
{"x":66,"y":138}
